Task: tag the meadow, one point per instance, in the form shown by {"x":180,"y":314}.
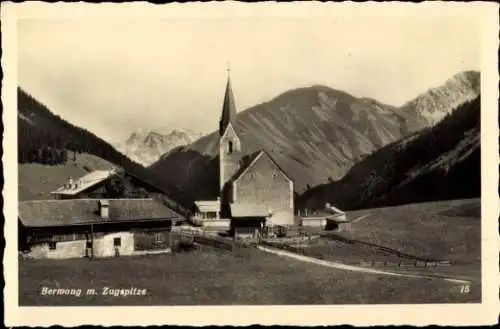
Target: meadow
{"x":209,"y":276}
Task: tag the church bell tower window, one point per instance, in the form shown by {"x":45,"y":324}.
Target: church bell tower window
{"x":230,"y":147}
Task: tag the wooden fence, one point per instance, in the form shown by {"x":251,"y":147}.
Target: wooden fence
{"x":372,"y":262}
{"x":200,"y":237}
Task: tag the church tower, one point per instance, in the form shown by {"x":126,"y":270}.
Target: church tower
{"x":229,"y":144}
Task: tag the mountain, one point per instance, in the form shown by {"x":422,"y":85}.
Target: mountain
{"x":146,"y":147}
{"x":315,"y":134}
{"x":47,"y":145}
{"x":442,"y":162}
{"x":436,"y":103}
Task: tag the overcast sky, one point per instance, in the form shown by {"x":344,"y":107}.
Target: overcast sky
{"x":116,"y":76}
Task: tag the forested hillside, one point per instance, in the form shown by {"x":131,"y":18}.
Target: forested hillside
{"x":45,"y":138}
{"x":442,"y":162}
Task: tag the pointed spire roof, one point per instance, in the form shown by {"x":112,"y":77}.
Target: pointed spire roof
{"x":228,"y":107}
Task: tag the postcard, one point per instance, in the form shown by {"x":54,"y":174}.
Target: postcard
{"x":232,"y":163}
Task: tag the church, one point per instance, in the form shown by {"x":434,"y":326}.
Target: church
{"x":253,"y":190}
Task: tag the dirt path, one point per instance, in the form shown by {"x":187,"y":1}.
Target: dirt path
{"x":346,"y":267}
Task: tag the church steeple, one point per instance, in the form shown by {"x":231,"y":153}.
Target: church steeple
{"x":228,"y":107}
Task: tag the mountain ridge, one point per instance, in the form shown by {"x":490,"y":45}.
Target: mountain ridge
{"x":147,"y":146}
{"x":440,"y":162}
{"x":315,"y":133}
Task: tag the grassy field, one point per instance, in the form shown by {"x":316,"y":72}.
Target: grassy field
{"x":210,"y":277}
{"x":447,"y":230}
{"x":442,"y":230}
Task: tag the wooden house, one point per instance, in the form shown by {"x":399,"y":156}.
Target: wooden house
{"x":102,"y":184}
{"x":248,"y":220}
{"x":330,"y":218}
{"x":94,"y":227}
{"x":206,"y":213}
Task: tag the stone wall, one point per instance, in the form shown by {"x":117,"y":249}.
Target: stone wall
{"x":64,"y":249}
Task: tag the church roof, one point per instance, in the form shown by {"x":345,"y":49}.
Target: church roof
{"x":228,"y":109}
{"x":245,"y":163}
{"x":249,"y":162}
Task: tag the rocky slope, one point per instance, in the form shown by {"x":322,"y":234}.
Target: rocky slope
{"x":146,"y":147}
{"x":436,"y":103}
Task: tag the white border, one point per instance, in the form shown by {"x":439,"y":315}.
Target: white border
{"x":453,"y":314}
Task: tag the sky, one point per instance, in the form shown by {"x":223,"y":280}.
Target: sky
{"x":116,"y":76}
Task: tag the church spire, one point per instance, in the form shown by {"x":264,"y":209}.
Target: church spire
{"x":228,"y":107}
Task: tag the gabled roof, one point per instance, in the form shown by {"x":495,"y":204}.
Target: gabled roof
{"x":85,"y":182}
{"x":246,"y":161}
{"x":248,"y":210}
{"x":208,"y":206}
{"x":328,"y":213}
{"x":253,"y":158}
{"x":47,"y":213}
{"x":228,"y":109}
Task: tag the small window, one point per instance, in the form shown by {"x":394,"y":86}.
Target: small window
{"x":211,"y":214}
{"x":275,"y":175}
{"x":117,"y":242}
{"x":230,"y":147}
{"x":52,"y":245}
{"x":158,"y":237}
{"x":252,"y":175}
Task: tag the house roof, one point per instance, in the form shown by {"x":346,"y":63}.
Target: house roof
{"x":85,"y":182}
{"x":332,"y":209}
{"x":248,"y":210}
{"x":209,"y":205}
{"x":46,"y":213}
{"x":321,"y":215}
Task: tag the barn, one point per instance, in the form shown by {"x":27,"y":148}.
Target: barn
{"x":75,"y":228}
{"x":114,"y":183}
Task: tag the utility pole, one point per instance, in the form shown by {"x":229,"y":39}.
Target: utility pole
{"x":92,"y":241}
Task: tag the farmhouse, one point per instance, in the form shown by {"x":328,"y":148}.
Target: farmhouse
{"x":252,"y":186}
{"x":114,"y":183}
{"x":330,"y":218}
{"x":94,"y":227}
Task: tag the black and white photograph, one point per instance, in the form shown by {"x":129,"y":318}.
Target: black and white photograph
{"x":229,"y":155}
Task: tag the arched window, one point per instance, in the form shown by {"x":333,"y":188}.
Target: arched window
{"x":230,"y":147}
